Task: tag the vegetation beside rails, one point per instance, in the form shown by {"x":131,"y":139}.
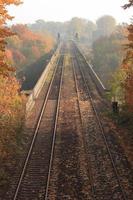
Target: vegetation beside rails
{"x":12,"y":118}
{"x":123,"y":118}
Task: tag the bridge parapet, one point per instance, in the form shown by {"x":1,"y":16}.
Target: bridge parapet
{"x":98,"y":82}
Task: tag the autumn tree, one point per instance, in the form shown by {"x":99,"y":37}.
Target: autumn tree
{"x":4,"y":33}
{"x":12,"y":103}
{"x":27,"y":46}
{"x":128,"y":63}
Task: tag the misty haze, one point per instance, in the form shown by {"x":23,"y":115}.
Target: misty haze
{"x":66,"y":100}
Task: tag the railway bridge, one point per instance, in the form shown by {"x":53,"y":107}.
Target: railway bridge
{"x":72,"y":155}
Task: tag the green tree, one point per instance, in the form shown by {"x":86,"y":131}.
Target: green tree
{"x":107,"y":55}
{"x":106,"y":25}
{"x":127,"y":64}
{"x":90,"y":28}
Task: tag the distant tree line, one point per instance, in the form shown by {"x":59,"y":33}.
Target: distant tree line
{"x":25,"y":46}
{"x":86,"y":29}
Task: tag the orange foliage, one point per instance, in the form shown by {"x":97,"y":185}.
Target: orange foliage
{"x":9,"y":55}
{"x":11,"y":114}
{"x":11,"y":102}
{"x":36,"y":51}
{"x":8,"y":95}
{"x":29,"y":45}
{"x":24,"y":33}
{"x":15,"y":56}
{"x":18,"y":57}
{"x":5,"y":32}
{"x":3,"y":11}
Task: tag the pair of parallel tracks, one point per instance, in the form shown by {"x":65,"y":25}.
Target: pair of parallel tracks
{"x":19,"y":193}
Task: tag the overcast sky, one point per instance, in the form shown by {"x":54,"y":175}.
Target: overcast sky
{"x":64,"y":10}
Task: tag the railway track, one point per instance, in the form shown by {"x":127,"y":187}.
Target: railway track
{"x":69,"y":175}
{"x":33,"y":180}
{"x":69,"y":157}
{"x":107,"y":182}
{"x":84,"y":141}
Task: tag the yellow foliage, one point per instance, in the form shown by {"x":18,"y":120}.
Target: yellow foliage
{"x":12,"y":111}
